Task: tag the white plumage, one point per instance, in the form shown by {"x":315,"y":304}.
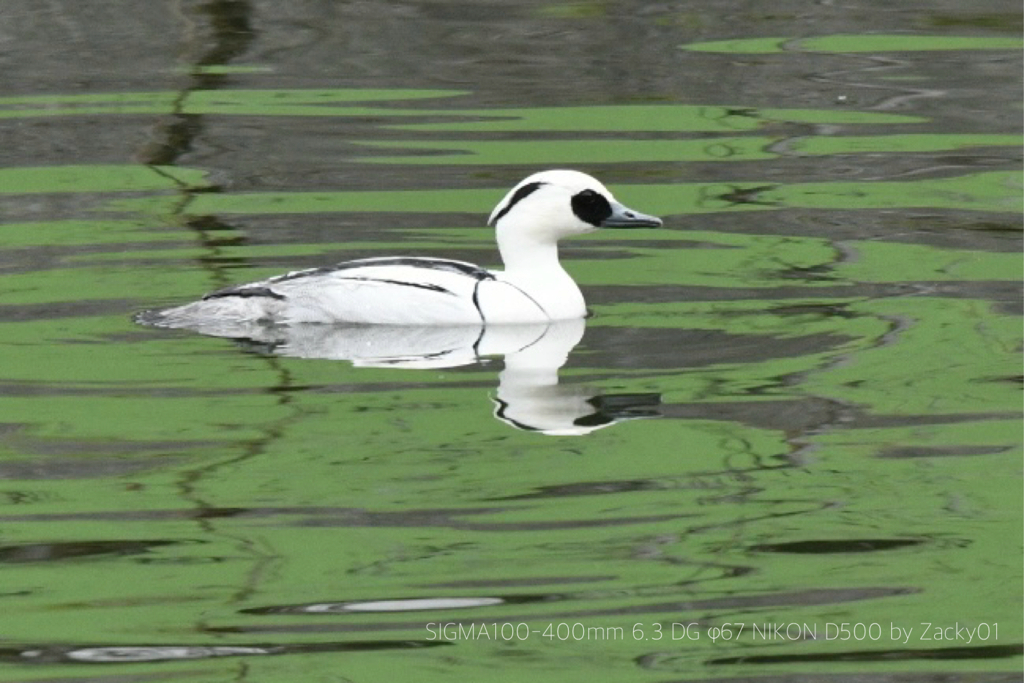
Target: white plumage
{"x":533,"y":287}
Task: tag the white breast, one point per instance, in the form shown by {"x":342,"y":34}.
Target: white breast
{"x":502,"y":303}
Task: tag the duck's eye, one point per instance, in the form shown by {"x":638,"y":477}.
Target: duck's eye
{"x":591,"y":207}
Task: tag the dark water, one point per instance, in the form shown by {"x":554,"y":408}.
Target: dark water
{"x":787,"y":443}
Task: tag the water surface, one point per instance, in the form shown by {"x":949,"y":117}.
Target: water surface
{"x":787,"y":443}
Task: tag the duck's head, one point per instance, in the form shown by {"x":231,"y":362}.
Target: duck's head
{"x":553,"y":204}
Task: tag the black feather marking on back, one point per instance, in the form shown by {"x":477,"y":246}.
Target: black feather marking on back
{"x":519,"y":195}
{"x":426,"y":262}
{"x":418,"y":285}
{"x":245,"y":291}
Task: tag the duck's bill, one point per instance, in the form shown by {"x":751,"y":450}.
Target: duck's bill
{"x":624,"y":217}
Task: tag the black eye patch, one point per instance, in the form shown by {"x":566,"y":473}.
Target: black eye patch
{"x":591,"y":207}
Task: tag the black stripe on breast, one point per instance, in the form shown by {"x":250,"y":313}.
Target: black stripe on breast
{"x":532,"y":300}
{"x":476,"y":302}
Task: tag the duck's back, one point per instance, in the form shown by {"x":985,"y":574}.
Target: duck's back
{"x":382,"y":291}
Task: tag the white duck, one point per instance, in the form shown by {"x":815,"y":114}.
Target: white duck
{"x":534,"y":287}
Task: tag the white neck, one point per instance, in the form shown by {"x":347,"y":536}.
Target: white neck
{"x":532,"y":265}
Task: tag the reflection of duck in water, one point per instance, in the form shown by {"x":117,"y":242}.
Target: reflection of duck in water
{"x":533,"y":288}
{"x":529,"y":396}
